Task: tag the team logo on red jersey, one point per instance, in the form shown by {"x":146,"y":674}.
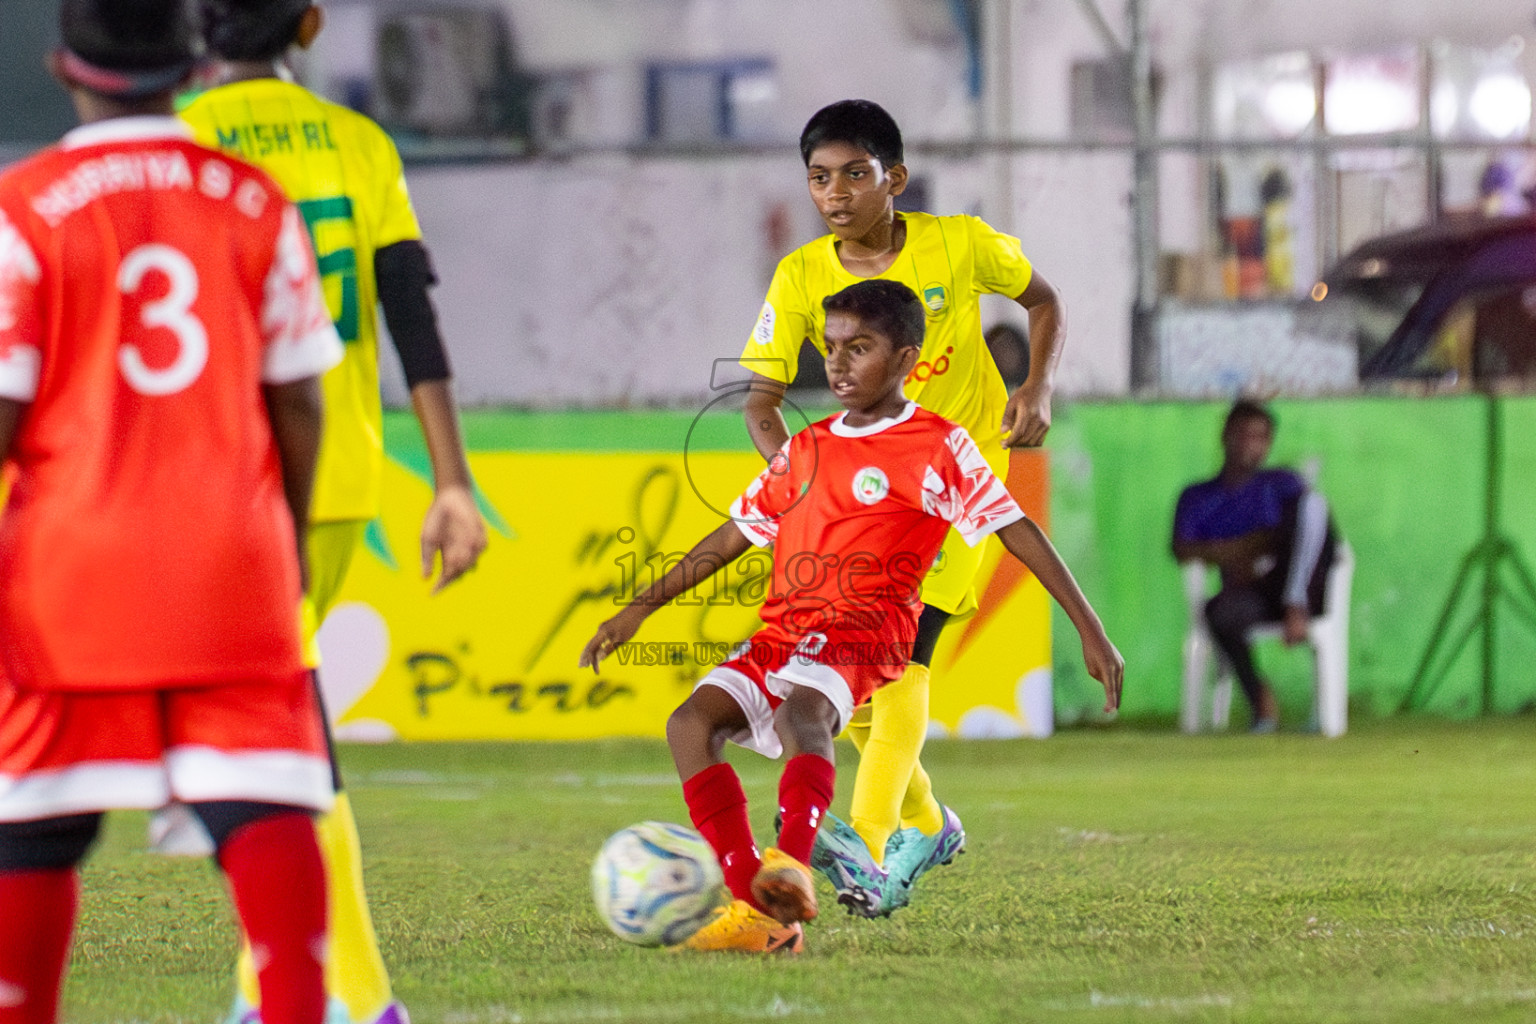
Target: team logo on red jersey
{"x":870,"y":485}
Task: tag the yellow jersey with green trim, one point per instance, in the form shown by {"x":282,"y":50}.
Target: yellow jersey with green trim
{"x":950,"y":262}
{"x":345,"y":175}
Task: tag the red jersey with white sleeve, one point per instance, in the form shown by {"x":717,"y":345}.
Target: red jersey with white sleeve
{"x":856,"y":516}
{"x":149,"y":287}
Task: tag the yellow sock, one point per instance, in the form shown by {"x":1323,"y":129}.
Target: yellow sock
{"x":858,"y":727}
{"x":919,"y":809}
{"x":354,"y":970}
{"x":245,"y":975}
{"x":888,"y":761}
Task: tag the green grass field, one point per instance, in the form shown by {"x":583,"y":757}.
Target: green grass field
{"x":1118,"y":875}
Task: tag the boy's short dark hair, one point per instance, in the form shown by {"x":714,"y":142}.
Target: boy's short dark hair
{"x":128,"y":49}
{"x":255,"y":30}
{"x":888,"y":307}
{"x":1248,"y":409}
{"x":861,"y":123}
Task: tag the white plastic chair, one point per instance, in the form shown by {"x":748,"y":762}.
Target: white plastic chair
{"x":1208,"y":704}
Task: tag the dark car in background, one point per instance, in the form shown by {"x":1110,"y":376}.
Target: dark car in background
{"x":1449,"y":307}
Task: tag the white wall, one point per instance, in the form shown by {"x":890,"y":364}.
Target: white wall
{"x":603,"y":281}
{"x":824,"y":50}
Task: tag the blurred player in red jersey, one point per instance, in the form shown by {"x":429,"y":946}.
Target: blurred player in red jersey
{"x":856,"y":508}
{"x":162,"y":332}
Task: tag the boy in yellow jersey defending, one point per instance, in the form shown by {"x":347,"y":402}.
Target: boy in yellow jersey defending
{"x":853,"y":156}
{"x":345,"y":175}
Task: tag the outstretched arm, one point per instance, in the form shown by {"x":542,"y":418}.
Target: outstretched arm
{"x":1027,"y":416}
{"x":1025,"y":541}
{"x":717,"y":550}
{"x":765,"y":415}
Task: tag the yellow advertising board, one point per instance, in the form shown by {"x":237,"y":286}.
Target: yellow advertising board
{"x":494,"y":655}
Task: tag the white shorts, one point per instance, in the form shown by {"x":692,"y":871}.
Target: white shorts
{"x":766,"y":668}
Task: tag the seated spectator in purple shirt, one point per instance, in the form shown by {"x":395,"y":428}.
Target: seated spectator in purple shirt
{"x":1271,"y":537}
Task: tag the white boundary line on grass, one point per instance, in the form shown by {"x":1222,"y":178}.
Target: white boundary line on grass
{"x":1101,"y":1001}
{"x":646,"y":780}
{"x":1518,"y":995}
{"x":776,"y":1009}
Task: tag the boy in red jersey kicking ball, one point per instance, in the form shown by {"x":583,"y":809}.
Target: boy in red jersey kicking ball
{"x":856,"y":508}
{"x":162,"y":334}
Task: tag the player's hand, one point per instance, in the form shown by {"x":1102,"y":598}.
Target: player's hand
{"x":453,"y":530}
{"x":1105,"y":664}
{"x":617,"y":630}
{"x":1296,"y":622}
{"x":1027,"y":416}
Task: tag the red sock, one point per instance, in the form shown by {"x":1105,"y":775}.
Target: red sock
{"x":718,"y":807}
{"x":37,"y":919}
{"x":805,"y":793}
{"x":278,"y":882}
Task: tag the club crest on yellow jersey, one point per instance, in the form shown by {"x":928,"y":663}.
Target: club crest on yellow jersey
{"x":936,"y":298}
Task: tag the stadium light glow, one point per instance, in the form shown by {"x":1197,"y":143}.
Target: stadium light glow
{"x":1501,"y":105}
{"x":1362,"y":104}
{"x":1290,"y":105}
{"x":1444,"y":107}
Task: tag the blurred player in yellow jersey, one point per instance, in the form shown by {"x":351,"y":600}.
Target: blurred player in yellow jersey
{"x":345,"y":175}
{"x":854,"y":162}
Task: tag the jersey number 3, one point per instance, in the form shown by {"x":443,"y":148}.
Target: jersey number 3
{"x":173,"y":312}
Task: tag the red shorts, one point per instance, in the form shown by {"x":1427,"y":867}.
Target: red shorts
{"x":845,"y":666}
{"x":74,"y":752}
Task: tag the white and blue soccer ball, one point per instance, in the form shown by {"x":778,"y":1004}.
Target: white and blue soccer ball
{"x":656,"y":883}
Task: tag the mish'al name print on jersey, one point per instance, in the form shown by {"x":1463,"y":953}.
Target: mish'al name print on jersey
{"x":254,"y":141}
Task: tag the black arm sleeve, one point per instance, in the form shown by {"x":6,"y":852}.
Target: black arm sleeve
{"x":404,"y":273}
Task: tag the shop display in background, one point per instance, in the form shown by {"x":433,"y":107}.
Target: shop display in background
{"x":1279,"y":254}
{"x":1311,"y":154}
{"x":1242,"y":269}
